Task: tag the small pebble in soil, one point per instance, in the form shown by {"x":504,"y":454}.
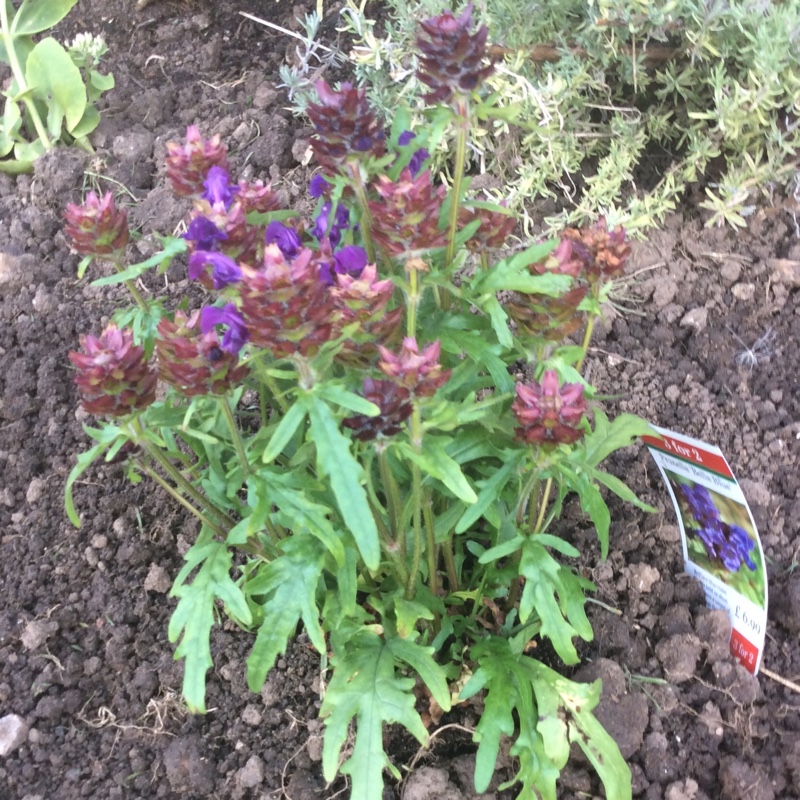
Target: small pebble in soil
{"x":13,"y":732}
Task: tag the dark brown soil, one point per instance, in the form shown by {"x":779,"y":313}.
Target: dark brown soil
{"x":84,"y":656}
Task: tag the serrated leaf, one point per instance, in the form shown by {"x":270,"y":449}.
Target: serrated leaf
{"x":283,"y":434}
{"x":335,"y":460}
{"x":193,"y":617}
{"x":556,"y":597}
{"x":290,"y":586}
{"x":435,"y":461}
{"x":421,"y":660}
{"x":54,"y":79}
{"x":35,"y":16}
{"x":501,"y":550}
{"x":609,"y":437}
{"x":365,"y":686}
{"x":620,"y":489}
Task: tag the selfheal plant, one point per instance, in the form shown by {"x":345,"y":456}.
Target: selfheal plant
{"x":387,"y":484}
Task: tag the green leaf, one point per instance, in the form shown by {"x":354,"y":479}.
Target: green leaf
{"x":435,"y":461}
{"x":101,"y":82}
{"x":499,"y":319}
{"x":609,"y":437}
{"x":35,"y":16}
{"x":172,"y":246}
{"x":348,"y":400}
{"x":9,"y":128}
{"x":89,"y":121}
{"x":298,"y":513}
{"x":193,"y":617}
{"x":593,"y":504}
{"x":556,"y":595}
{"x":501,"y":550}
{"x":283,"y":434}
{"x":421,"y":660}
{"x":490,"y":490}
{"x":613,"y":483}
{"x":290,"y":586}
{"x":85,"y":460}
{"x":54,"y":79}
{"x":335,"y":460}
{"x":365,"y":686}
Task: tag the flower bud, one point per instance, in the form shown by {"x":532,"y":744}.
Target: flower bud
{"x":395,"y":407}
{"x":113,"y":378}
{"x":189,"y":164}
{"x":420,"y":373}
{"x":97,"y":227}
{"x":346,"y":126}
{"x":604,"y":253}
{"x":451,"y":57}
{"x":407,"y":216}
{"x":549,"y":414}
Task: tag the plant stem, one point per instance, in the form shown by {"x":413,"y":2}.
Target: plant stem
{"x":238,"y":444}
{"x":462,"y":127}
{"x":366,"y":216}
{"x":392,"y":493}
{"x":416,"y":489}
{"x":176,"y":476}
{"x":132,"y":288}
{"x":19,"y":76}
{"x":413,"y":303}
{"x":182,"y":500}
{"x":433,"y":550}
{"x":587,"y":334}
{"x":268,"y":381}
{"x":537,"y":528}
{"x":525,"y":497}
{"x":450,"y":563}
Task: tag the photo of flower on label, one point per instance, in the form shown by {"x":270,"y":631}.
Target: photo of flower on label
{"x":720,"y":537}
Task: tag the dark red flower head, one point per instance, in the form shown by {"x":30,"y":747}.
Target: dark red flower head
{"x":97,"y":227}
{"x":451,"y":56}
{"x":394,"y":402}
{"x":420,"y":373}
{"x":346,"y":126}
{"x":549,"y":414}
{"x":114,"y":377}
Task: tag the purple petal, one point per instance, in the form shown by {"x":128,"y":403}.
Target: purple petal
{"x":350,"y":260}
{"x":318,"y":186}
{"x":417,"y":161}
{"x":236,"y":336}
{"x":204,"y":233}
{"x":405,"y":137}
{"x":218,"y":190}
{"x":285,"y":237}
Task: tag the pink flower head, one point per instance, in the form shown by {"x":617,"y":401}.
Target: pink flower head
{"x":189,"y":164}
{"x":549,"y":414}
{"x":420,"y":373}
{"x":97,"y":227}
{"x":113,"y":377}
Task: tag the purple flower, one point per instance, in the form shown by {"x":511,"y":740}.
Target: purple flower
{"x":236,"y":336}
{"x":341,"y":220}
{"x":350,"y":260}
{"x":218,"y":190}
{"x":417,"y":161}
{"x":204,"y":233}
{"x":318,"y":186}
{"x":285,"y":237}
{"x":405,"y":137}
{"x":224,"y":269}
{"x":730,"y":557}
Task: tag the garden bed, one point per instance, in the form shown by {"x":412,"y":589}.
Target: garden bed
{"x":84,"y":657}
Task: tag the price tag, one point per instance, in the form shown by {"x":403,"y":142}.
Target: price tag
{"x":721,"y":547}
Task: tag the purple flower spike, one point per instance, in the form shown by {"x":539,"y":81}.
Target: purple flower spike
{"x":218,"y":190}
{"x":405,"y":137}
{"x":318,"y":186}
{"x":285,"y":237}
{"x":204,"y":234}
{"x":236,"y":336}
{"x":224,"y":269}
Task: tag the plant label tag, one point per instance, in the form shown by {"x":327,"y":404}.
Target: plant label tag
{"x":721,"y":547}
